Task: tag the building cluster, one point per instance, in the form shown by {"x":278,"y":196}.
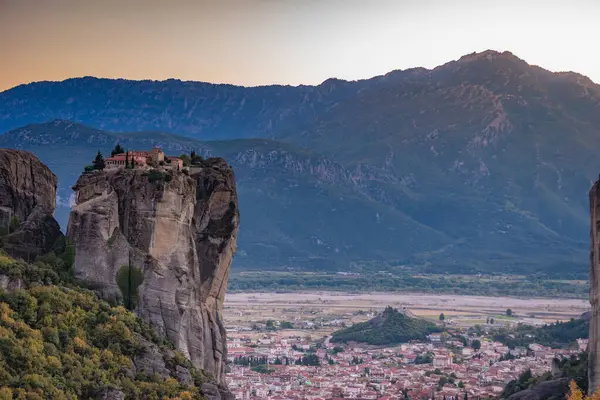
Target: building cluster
{"x":436,"y":369}
{"x":143,"y":159}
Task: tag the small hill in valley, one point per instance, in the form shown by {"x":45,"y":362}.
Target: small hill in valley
{"x":390,"y":327}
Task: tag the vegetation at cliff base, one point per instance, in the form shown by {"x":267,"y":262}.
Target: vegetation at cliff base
{"x":60,"y":341}
{"x":391,"y":327}
{"x":572,"y":369}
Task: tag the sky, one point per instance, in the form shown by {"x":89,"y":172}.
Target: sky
{"x":258,"y":42}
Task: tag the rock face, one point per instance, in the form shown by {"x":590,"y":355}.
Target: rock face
{"x":27,"y":195}
{"x":554,"y":389}
{"x":594,"y":342}
{"x":179,"y":233}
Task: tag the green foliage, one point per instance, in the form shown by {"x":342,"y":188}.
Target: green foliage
{"x":98,"y":162}
{"x":557,"y":335}
{"x":391,"y":327}
{"x":186,"y":160}
{"x":37,"y":273}
{"x":118,"y":149}
{"x":262,"y":369}
{"x":196,"y":159}
{"x":509,"y":312}
{"x":476,"y":344}
{"x":442,"y":317}
{"x":129,"y":278}
{"x":308,"y":359}
{"x":14,"y":224}
{"x":158,"y":176}
{"x":67,"y":344}
{"x":89,"y":168}
{"x":368,"y":280}
{"x":286,"y":325}
{"x":426,"y":358}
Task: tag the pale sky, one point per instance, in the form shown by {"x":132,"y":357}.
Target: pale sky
{"x":258,"y":42}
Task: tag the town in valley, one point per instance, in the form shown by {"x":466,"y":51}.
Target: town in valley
{"x":290,"y":354}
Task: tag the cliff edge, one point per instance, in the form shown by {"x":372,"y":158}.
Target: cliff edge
{"x":27,"y":203}
{"x":594,"y":341}
{"x":162,"y":243}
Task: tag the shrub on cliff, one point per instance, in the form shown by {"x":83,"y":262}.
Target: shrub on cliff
{"x":158,"y":176}
{"x":129,"y":278}
{"x":15,"y":223}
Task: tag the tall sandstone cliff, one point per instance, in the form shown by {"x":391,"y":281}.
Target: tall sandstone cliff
{"x":28,"y":197}
{"x":594,"y":341}
{"x":180,"y":233}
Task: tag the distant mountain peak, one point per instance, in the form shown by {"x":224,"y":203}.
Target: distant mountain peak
{"x":488,"y":55}
{"x":332,"y":81}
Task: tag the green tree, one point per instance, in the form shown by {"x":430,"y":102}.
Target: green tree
{"x":129,"y":279}
{"x":118,"y":149}
{"x":14,"y":224}
{"x":509,"y":312}
{"x":442,"y":317}
{"x":476,"y":345}
{"x":99,"y":163}
{"x":127,"y":160}
{"x":186,"y":160}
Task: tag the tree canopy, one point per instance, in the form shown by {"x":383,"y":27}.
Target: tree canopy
{"x":99,"y":161}
{"x":118,"y":149}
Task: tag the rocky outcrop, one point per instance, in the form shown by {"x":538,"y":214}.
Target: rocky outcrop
{"x":178,"y":233}
{"x":594,"y":341}
{"x":554,"y":389}
{"x":27,"y":203}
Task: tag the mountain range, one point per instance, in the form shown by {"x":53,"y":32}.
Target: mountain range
{"x":480,"y":165}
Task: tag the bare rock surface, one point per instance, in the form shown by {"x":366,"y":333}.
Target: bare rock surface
{"x":594,"y":341}
{"x":554,"y":389}
{"x":180,"y":232}
{"x":28,"y":195}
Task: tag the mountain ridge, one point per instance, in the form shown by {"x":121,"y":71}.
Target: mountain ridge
{"x":282,"y":188}
{"x":488,"y":157}
{"x":467,"y":57}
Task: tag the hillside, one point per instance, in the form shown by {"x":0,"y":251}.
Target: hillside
{"x":480,"y":164}
{"x":391,"y":327}
{"x":61,"y":341}
{"x":299,"y":209}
